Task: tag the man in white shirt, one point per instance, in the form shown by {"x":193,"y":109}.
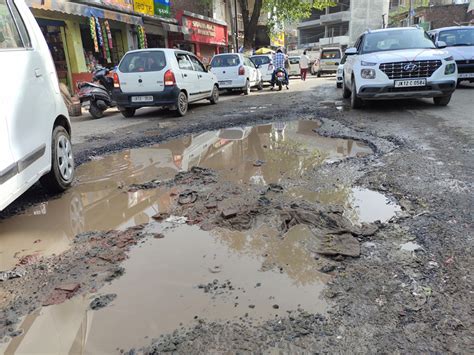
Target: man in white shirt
{"x":304,"y":65}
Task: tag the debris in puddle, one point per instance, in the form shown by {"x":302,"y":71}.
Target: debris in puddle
{"x":215,"y":269}
{"x":61,"y":293}
{"x":275,"y":187}
{"x":160,"y":216}
{"x":12,"y":274}
{"x":410,"y":247}
{"x":158,"y":236}
{"x":275,"y":306}
{"x":338,"y":244}
{"x":229,"y":213}
{"x":102,"y":301}
{"x":258,"y":163}
{"x":215,"y":288}
{"x":328,"y":268}
{"x":176,"y":219}
{"x":187,"y":197}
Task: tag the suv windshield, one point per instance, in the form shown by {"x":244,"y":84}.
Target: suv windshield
{"x":226,"y":60}
{"x":457,"y":37}
{"x":145,"y":61}
{"x":334,"y":54}
{"x":261,"y":60}
{"x":395,"y":40}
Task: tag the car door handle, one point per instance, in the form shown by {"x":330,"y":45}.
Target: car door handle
{"x":199,"y":76}
{"x":185,"y":75}
{"x":38,"y":73}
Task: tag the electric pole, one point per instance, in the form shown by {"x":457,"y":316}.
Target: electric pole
{"x":236,"y":28}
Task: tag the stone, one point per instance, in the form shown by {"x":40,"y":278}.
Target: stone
{"x":338,"y":244}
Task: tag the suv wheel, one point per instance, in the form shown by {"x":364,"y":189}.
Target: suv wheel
{"x":128,"y":112}
{"x":215,"y":95}
{"x":442,"y":100}
{"x":346,"y":93}
{"x":356,"y":101}
{"x":182,"y":104}
{"x":62,"y":162}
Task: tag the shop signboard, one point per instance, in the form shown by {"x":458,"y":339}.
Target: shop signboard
{"x":144,"y":7}
{"x":121,"y":4}
{"x":278,"y":39}
{"x":202,"y":31}
{"x":162,"y":8}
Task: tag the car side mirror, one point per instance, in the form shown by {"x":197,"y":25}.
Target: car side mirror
{"x":351,"y":51}
{"x":441,"y":44}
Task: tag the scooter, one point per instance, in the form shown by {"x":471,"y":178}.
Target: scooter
{"x":97,"y":96}
{"x":280,"y":78}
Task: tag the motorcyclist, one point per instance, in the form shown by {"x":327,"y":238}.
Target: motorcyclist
{"x":279,"y":60}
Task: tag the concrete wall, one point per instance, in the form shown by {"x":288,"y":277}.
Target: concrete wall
{"x":366,"y":14}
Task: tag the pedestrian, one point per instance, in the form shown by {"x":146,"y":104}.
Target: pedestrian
{"x":304,"y":65}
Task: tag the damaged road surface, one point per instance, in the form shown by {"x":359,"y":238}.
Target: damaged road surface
{"x":241,"y":239}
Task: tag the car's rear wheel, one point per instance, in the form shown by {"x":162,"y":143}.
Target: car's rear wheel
{"x":339,"y":85}
{"x":215,"y":95}
{"x":182,"y":104}
{"x":318,"y":74}
{"x":260,"y":85}
{"x":62,"y":162}
{"x":346,"y":93}
{"x":128,"y":112}
{"x":246,"y":88}
{"x":356,"y":101}
{"x":442,"y":100}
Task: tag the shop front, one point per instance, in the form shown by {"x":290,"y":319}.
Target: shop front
{"x":81,"y":36}
{"x":201,"y":35}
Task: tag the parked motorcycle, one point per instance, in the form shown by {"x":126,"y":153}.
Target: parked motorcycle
{"x":280,"y":78}
{"x":96,"y":97}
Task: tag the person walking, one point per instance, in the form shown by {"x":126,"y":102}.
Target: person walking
{"x":304,"y":65}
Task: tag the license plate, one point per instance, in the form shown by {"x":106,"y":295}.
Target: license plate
{"x":466,"y":75}
{"x":142,"y":98}
{"x":410,"y":83}
{"x":225,"y":82}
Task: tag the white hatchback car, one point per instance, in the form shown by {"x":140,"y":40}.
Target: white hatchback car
{"x":236,"y":71}
{"x":264,"y":63}
{"x":162,"y":77}
{"x":34,"y":123}
{"x":398,"y":63}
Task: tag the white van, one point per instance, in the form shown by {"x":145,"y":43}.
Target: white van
{"x":328,"y":61}
{"x":34,"y":123}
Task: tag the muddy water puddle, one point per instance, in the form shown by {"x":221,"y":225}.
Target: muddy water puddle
{"x":189,"y":274}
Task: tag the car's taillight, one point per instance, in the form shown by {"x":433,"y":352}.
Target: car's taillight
{"x":270,"y":67}
{"x":241,"y":70}
{"x":170,"y":80}
{"x":116,"y":81}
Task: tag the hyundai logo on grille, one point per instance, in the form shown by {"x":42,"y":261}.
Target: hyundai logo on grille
{"x":410,"y":67}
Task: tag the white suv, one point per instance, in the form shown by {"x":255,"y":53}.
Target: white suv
{"x":34,"y":124}
{"x":162,"y":77}
{"x":398,"y":63}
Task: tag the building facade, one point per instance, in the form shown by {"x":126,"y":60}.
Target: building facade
{"x":340,"y":25}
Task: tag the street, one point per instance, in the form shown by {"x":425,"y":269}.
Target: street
{"x":278,"y":221}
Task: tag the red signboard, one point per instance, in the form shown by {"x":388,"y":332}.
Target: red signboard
{"x":202,"y":31}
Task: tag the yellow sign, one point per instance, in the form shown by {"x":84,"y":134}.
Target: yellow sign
{"x":278,"y":40}
{"x":146,"y":7}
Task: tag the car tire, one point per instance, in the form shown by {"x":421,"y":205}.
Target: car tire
{"x":128,"y":112}
{"x":95,"y":111}
{"x":356,"y":101}
{"x":339,"y":85}
{"x":61,"y":175}
{"x":346,"y":93}
{"x":260,"y":85}
{"x":215,"y":95}
{"x":442,"y":100}
{"x":246,"y":88}
{"x":182,"y":104}
{"x":318,"y":74}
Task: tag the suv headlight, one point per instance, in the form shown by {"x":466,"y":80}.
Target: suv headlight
{"x":367,"y":73}
{"x":450,"y":69}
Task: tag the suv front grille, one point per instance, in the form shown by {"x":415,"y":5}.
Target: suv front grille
{"x":423,"y":69}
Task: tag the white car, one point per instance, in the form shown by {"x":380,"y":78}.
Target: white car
{"x":398,"y":63}
{"x":264,"y":63}
{"x":328,"y":61}
{"x":460,"y":44}
{"x":340,"y":72}
{"x":294,"y":66}
{"x":34,"y":123}
{"x":236,"y":71}
{"x":162,"y":77}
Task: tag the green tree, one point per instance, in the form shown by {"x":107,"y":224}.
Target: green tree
{"x":281,"y":11}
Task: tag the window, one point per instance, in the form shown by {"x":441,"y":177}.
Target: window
{"x":457,"y":37}
{"x":225,"y":60}
{"x":294,"y":60}
{"x":183,"y":61}
{"x":261,"y":60}
{"x":396,"y":40}
{"x":148,"y":61}
{"x":249,"y":63}
{"x":9,"y":35}
{"x":21,"y":27}
{"x":198,"y":66}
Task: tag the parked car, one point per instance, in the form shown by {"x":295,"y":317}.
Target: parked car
{"x":328,"y":61}
{"x":294,"y":66}
{"x":340,"y":72}
{"x":162,"y":77}
{"x":264,"y":63}
{"x":35,"y":130}
{"x":236,"y":71}
{"x":460,"y":44}
{"x":398,"y":63}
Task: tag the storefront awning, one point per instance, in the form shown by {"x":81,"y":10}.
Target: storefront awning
{"x":175,"y":28}
{"x":72,"y":8}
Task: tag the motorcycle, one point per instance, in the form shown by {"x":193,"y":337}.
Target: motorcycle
{"x":96,"y":97}
{"x":280,"y":78}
